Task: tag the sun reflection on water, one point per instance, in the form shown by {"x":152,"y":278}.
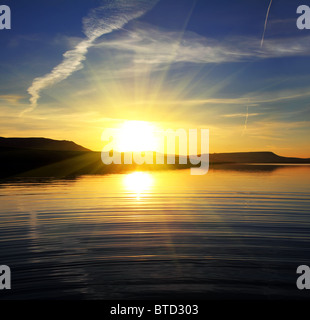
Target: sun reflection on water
{"x":138,"y":183}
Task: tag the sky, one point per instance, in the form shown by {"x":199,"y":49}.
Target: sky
{"x":71,"y":68}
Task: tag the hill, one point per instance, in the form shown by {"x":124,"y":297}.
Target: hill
{"x":40,"y":144}
{"x":40,"y":157}
{"x":253,"y":157}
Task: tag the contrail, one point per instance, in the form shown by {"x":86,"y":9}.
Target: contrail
{"x":246,"y":119}
{"x":265,"y":26}
{"x":101,"y":20}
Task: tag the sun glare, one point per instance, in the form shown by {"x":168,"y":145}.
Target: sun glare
{"x":138,"y":182}
{"x":137,"y":136}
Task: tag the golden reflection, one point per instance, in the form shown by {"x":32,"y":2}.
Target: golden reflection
{"x":138,"y":182}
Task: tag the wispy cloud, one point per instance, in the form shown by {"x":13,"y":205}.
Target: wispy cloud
{"x":10,"y":98}
{"x":155,"y":46}
{"x":112,"y":15}
{"x":241,"y":115}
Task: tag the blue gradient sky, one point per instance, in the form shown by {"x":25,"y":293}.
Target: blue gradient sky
{"x":181,"y":64}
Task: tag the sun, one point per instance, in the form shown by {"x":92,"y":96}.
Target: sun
{"x":137,"y":136}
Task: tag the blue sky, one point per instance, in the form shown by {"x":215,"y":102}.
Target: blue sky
{"x":185,"y":63}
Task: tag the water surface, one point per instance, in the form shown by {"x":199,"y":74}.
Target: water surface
{"x":231,"y":234}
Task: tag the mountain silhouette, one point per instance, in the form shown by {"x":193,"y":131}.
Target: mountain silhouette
{"x":40,"y":157}
{"x":40,"y":144}
{"x":253,"y":157}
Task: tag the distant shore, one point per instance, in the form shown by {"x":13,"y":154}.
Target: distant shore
{"x":39,"y":157}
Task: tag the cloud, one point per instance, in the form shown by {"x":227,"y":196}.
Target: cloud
{"x":112,"y":15}
{"x":155,"y":46}
{"x":10,"y":98}
{"x":241,"y":115}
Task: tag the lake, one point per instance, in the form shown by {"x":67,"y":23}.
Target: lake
{"x":235,"y":233}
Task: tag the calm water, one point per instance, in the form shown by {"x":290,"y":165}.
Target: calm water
{"x":229,"y":234}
